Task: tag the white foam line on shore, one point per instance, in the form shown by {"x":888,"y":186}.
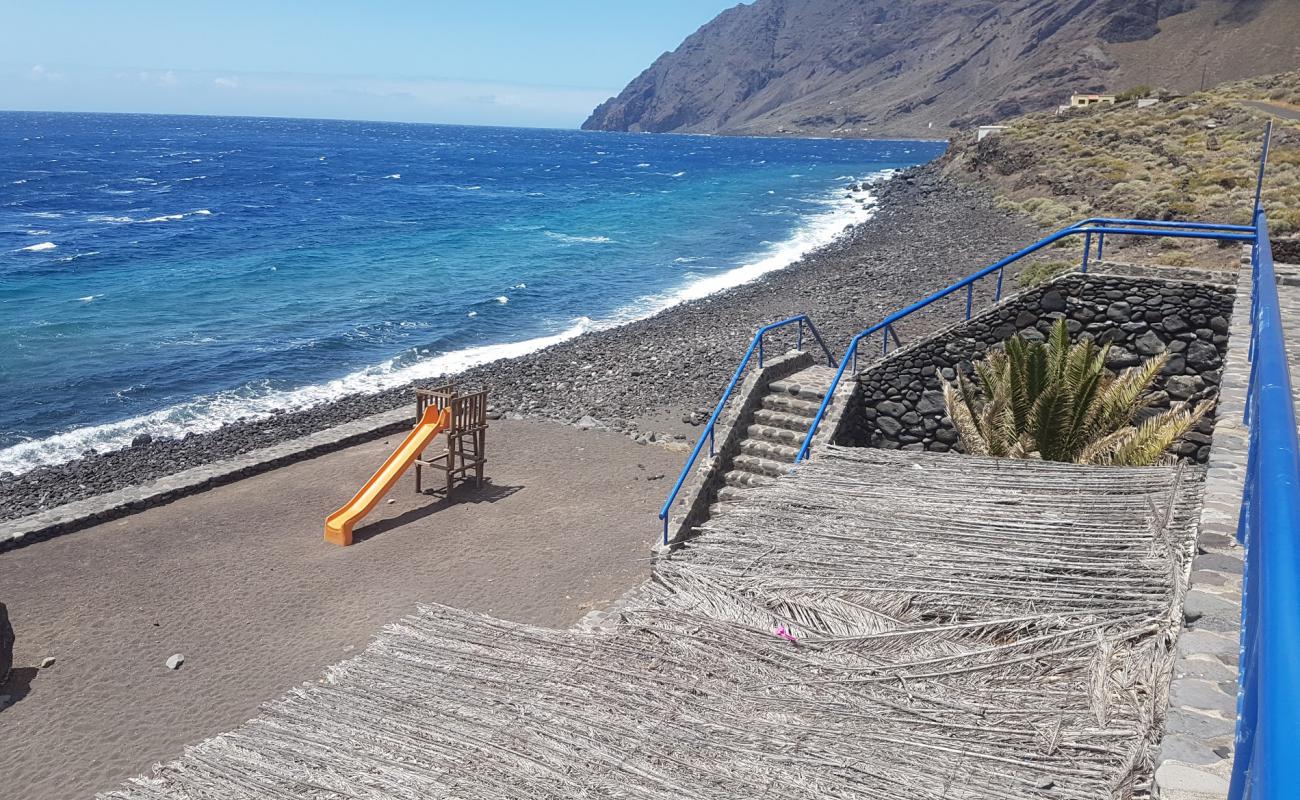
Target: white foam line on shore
{"x":207,"y":414}
{"x":846,"y":208}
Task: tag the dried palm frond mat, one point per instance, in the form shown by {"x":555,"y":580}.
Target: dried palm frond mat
{"x":878,"y":625}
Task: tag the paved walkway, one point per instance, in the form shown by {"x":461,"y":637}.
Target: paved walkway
{"x":836,"y":636}
{"x":239,"y":581}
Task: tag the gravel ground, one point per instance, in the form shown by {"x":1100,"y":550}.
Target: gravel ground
{"x":655,"y":375}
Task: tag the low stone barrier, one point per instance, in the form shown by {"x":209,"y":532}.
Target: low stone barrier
{"x":897,"y":402}
{"x":105,"y":507}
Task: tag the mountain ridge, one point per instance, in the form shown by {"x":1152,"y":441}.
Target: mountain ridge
{"x":924,"y":67}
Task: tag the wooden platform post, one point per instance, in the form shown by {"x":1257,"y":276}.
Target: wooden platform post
{"x":466,"y":437}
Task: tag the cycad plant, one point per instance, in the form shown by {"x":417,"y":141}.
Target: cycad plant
{"x":1057,"y":401}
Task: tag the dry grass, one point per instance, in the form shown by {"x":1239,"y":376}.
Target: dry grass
{"x":1191,"y":158}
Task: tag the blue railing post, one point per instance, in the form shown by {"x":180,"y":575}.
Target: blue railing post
{"x":798,"y":345}
{"x":1087,"y":248}
{"x":1263,"y":164}
{"x":997,"y":296}
{"x":760,"y":352}
{"x":970,"y":298}
{"x":1101,"y":243}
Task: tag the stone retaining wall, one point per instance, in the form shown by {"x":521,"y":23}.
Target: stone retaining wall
{"x":898,"y":402}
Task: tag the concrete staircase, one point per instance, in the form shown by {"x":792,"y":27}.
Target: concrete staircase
{"x":774,"y":434}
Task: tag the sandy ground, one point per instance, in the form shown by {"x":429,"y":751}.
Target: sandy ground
{"x":239,"y":581}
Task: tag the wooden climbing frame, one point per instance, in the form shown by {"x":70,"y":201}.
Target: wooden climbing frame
{"x":466,"y":437}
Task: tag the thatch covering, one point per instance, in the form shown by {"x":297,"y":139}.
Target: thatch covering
{"x":879,"y":625}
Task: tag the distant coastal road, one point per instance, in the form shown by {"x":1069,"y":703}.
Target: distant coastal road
{"x":1276,"y":109}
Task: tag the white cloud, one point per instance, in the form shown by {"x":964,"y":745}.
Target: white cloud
{"x":226,"y":83}
{"x":40,"y":73}
{"x":165,"y":79}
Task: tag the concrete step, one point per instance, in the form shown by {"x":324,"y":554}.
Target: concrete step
{"x":786,"y":404}
{"x":761,"y":448}
{"x":745,"y":479}
{"x":761,"y":465}
{"x":780,"y":419}
{"x":793,"y":388}
{"x":782,"y":436}
{"x":730,"y":495}
{"x":809,"y":383}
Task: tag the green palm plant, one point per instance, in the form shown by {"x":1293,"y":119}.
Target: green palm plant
{"x":1058,"y":402}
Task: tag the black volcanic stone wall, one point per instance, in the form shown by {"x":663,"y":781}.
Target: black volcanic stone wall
{"x":898,"y":402}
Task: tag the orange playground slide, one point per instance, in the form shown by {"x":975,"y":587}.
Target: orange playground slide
{"x":338,"y":526}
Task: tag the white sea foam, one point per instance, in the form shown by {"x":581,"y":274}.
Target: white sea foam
{"x":36,"y":232}
{"x":46,"y":214}
{"x":567,"y":239}
{"x":396,"y":176}
{"x":503,"y":299}
{"x":202,"y":212}
{"x":108,"y":218}
{"x":207,"y":414}
{"x":90,"y":298}
{"x":841,"y":210}
{"x":677,"y":174}
{"x":38,"y":248}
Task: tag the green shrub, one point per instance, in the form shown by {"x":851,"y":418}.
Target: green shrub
{"x":1058,"y":402}
{"x":1042,"y":272}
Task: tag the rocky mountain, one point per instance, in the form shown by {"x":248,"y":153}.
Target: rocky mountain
{"x":921,"y":67}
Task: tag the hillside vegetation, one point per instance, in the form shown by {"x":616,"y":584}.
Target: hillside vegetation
{"x":1190,"y":158}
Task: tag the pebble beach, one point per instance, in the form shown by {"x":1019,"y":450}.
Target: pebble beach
{"x":649,"y":379}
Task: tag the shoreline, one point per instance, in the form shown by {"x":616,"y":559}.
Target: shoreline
{"x":649,"y":376}
{"x":207,"y":412}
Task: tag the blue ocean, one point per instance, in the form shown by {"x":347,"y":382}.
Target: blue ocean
{"x":168,"y":274}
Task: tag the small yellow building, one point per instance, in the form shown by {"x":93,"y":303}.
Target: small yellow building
{"x":1085,"y":100}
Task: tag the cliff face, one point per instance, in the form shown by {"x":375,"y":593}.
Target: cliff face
{"x":921,"y":67}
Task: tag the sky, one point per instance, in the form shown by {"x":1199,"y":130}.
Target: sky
{"x":538,"y":63}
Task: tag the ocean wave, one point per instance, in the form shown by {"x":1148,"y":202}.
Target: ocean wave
{"x":37,"y":248}
{"x":254,"y":402}
{"x":109,"y":218}
{"x":503,"y":299}
{"x":568,"y":239}
{"x":202,"y":212}
{"x":45,"y":214}
{"x":396,"y":176}
{"x":75,"y":256}
{"x":819,"y":229}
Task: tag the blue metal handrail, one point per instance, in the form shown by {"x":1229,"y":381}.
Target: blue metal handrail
{"x":1267,"y":758}
{"x":755,"y":344}
{"x":1099,"y":226}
